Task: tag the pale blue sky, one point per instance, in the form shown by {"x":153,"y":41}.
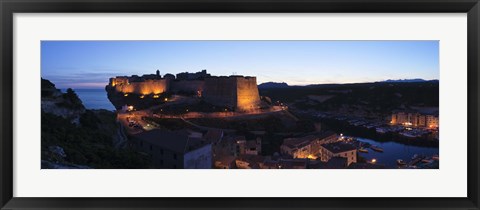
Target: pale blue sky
{"x":89,"y":64}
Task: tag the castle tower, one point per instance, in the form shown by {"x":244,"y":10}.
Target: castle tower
{"x":238,"y":92}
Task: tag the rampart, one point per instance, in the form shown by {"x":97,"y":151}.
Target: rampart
{"x":142,"y":87}
{"x":235,"y":92}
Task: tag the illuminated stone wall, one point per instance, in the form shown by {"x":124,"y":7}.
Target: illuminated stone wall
{"x":156,"y":86}
{"x":234,"y":92}
{"x":153,"y":86}
{"x":118,"y":81}
{"x":414,"y":119}
{"x":247,"y":93}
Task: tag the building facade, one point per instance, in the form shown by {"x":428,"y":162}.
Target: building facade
{"x":338,"y":149}
{"x":307,"y":146}
{"x":174,"y":149}
{"x":415,"y":119}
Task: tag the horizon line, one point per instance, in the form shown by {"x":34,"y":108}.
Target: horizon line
{"x":346,"y":83}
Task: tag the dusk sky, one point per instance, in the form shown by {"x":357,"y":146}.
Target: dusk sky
{"x":89,"y":64}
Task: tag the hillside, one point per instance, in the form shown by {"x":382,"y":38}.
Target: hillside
{"x":380,"y":97}
{"x":75,"y":137}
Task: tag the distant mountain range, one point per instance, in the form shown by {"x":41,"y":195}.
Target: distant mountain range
{"x":271,"y":85}
{"x":268,"y":85}
{"x":409,"y":80}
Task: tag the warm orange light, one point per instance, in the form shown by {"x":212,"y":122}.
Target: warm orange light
{"x":166,"y":99}
{"x":126,"y":94}
{"x":156,"y":96}
{"x":374,"y":160}
{"x":142,"y":96}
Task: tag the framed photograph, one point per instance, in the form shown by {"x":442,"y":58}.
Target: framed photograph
{"x":239,"y":104}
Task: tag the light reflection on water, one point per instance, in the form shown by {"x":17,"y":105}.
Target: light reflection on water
{"x":393,"y":151}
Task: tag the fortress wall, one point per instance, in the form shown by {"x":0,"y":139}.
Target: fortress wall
{"x":143,"y":88}
{"x":146,"y":87}
{"x":118,"y":81}
{"x":247,"y":93}
{"x":124,"y":88}
{"x":233,"y":92}
{"x":220,"y":91}
{"x":187,"y":86}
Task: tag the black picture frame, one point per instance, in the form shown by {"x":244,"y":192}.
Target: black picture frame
{"x":9,"y":7}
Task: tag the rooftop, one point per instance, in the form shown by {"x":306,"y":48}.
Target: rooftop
{"x":293,"y":163}
{"x":299,"y":142}
{"x":177,"y":141}
{"x":213,"y":135}
{"x":326,"y":134}
{"x":338,"y":147}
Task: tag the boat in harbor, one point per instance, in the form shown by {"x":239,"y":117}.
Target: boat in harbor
{"x":363,"y":150}
{"x":400,"y":162}
{"x":376,"y":148}
{"x":427,"y":160}
{"x":415,"y":156}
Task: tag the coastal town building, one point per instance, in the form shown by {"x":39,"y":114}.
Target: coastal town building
{"x":249,"y":161}
{"x":338,"y":149}
{"x":174,"y":149}
{"x":415,"y":119}
{"x":250,"y":147}
{"x":225,"y":162}
{"x":307,"y":146}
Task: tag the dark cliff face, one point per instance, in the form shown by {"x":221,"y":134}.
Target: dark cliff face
{"x":66,"y":105}
{"x":114,"y":97}
{"x":73,"y":137}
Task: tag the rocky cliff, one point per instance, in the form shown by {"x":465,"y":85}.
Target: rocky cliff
{"x":74,"y":137}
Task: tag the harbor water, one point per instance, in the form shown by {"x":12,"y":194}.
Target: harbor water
{"x":393,"y":151}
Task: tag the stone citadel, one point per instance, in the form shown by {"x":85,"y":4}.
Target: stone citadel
{"x":236,"y":92}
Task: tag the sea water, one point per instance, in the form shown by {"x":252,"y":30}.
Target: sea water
{"x":94,"y":98}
